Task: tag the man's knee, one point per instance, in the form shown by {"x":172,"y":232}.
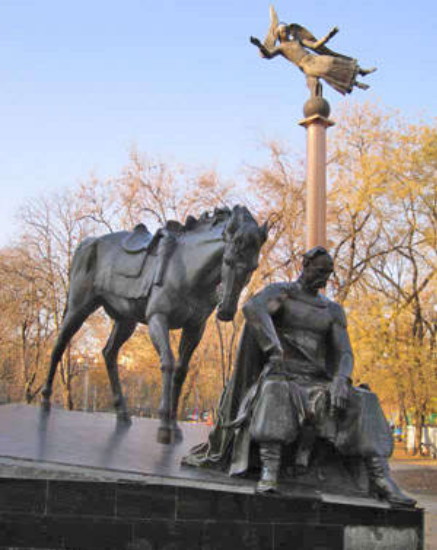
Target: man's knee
{"x":274,"y":416}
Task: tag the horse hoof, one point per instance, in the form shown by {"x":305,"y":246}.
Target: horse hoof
{"x":178,"y":435}
{"x":124,"y":418}
{"x":164,"y":436}
{"x":46,"y":405}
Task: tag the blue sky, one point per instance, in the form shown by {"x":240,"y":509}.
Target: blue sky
{"x":83,"y":82}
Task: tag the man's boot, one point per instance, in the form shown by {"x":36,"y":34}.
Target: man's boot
{"x":382,"y":484}
{"x":270,"y":454}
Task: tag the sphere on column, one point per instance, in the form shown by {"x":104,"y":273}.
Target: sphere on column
{"x":316,"y":105}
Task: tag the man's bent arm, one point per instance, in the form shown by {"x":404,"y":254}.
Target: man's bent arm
{"x":341,"y":344}
{"x":316,"y":45}
{"x":340,"y":386}
{"x":258,"y":312}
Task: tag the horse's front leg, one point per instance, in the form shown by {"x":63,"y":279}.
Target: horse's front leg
{"x":159,"y":333}
{"x":190,"y":338}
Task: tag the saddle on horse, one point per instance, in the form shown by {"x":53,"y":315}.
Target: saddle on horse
{"x":138,"y":261}
{"x":142,"y":243}
{"x":138,"y":240}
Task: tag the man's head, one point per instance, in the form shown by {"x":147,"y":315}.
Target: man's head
{"x":282,"y":33}
{"x":318,"y":266}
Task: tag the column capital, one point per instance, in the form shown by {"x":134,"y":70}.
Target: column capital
{"x":317,"y":119}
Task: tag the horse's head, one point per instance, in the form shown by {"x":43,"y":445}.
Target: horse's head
{"x":243,"y":241}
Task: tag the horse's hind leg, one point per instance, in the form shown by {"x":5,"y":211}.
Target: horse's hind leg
{"x":73,"y":320}
{"x":121,"y":331}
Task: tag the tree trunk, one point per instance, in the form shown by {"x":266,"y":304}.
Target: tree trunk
{"x":418,"y":425}
{"x":28,"y":396}
{"x":67,"y":396}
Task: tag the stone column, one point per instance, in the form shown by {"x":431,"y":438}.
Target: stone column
{"x":316,"y":121}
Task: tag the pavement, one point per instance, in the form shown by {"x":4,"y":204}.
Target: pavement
{"x":418,"y":477}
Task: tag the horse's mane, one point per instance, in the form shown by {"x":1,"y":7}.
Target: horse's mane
{"x":208,"y":219}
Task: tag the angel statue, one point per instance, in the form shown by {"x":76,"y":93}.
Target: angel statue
{"x":338,"y":70}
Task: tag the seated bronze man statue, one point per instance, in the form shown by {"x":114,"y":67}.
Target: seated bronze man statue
{"x":292,"y":384}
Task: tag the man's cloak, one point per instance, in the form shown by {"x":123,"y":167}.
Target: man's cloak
{"x":362,"y":431}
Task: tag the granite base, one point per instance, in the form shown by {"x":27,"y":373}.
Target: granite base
{"x":76,"y":481}
{"x":84,"y":515}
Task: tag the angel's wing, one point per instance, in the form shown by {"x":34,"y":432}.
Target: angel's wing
{"x":301,"y":33}
{"x":270,"y":39}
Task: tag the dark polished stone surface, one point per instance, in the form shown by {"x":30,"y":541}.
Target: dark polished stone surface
{"x":25,"y":532}
{"x":73,"y":498}
{"x":145,"y":501}
{"x":279,"y":510}
{"x":316,"y":537}
{"x":93,"y":534}
{"x":23,"y":497}
{"x":223,"y":506}
{"x":86,"y":515}
{"x":174,"y":535}
{"x":75,"y":445}
{"x":148,"y":502}
{"x":96,"y":442}
{"x":252,"y":536}
{"x":93,"y":440}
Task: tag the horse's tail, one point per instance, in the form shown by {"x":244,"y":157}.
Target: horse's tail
{"x":84,"y":257}
{"x":82,"y":265}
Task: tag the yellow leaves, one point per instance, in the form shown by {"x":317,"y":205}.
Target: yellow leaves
{"x":382,"y":231}
{"x":377,"y":154}
{"x":388,"y":355}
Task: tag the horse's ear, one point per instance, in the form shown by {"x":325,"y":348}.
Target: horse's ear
{"x":264,"y":232}
{"x":232,"y":224}
{"x":190,"y":222}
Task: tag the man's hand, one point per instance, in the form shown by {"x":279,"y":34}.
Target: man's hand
{"x":333,"y":31}
{"x":255,"y":41}
{"x":339,"y":392}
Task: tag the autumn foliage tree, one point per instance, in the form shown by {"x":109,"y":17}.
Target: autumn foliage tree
{"x":383,"y":234}
{"x":381,"y":230}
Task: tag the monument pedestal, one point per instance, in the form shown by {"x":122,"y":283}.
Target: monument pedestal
{"x":73,"y":480}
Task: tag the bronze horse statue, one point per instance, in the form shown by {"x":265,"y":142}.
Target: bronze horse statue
{"x":207,"y":262}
